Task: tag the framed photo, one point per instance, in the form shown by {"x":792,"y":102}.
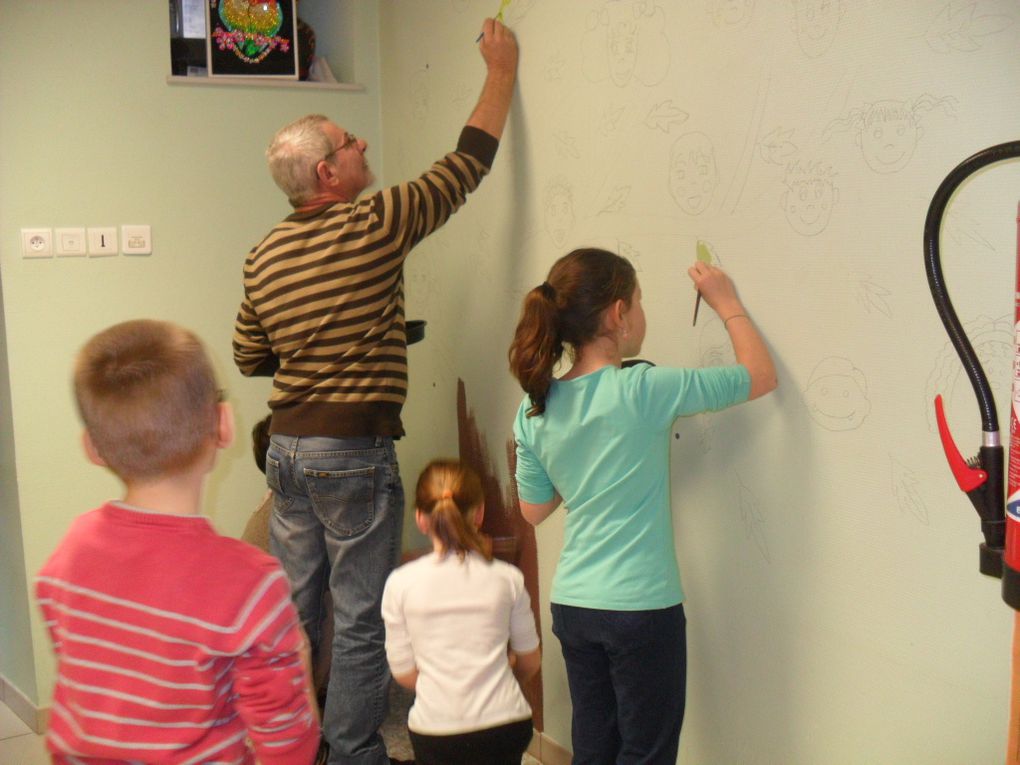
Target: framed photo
{"x":252,"y":38}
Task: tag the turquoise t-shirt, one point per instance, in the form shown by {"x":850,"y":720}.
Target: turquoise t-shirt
{"x":603,"y":444}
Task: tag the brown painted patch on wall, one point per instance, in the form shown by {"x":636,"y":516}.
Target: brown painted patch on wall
{"x":513,"y":538}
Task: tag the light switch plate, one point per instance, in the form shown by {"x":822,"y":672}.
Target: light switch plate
{"x":102,"y":240}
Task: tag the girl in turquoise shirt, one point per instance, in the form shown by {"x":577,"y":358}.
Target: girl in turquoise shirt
{"x":596,"y":440}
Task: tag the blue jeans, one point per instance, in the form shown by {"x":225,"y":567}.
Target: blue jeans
{"x":338,"y":508}
{"x":627,"y":672}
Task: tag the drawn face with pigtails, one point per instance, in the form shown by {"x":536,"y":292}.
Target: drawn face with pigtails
{"x":888,"y":136}
{"x":888,"y":131}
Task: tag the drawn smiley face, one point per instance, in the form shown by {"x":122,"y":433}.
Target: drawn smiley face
{"x":693,"y":175}
{"x":559,"y":212}
{"x":622,"y":42}
{"x":816,"y":24}
{"x":837,"y":395}
{"x":732,"y":13}
{"x":808,"y":205}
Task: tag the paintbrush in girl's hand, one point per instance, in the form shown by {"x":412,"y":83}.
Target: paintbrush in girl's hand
{"x":499,"y":15}
{"x":705,"y":256}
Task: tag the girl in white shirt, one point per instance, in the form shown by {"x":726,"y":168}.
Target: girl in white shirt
{"x":450,"y":616}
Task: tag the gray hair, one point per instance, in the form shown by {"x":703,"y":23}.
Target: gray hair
{"x":293,"y":155}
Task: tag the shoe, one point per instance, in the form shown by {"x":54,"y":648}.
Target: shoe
{"x":395,"y":761}
{"x":322,"y":756}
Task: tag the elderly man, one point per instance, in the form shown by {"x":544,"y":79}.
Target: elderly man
{"x":323,"y":312}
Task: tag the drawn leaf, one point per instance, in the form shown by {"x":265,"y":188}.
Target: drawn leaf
{"x":566,"y":145}
{"x":965,"y":229}
{"x":963,"y":41}
{"x":935,"y":34}
{"x":873,"y":296}
{"x":753,"y":522}
{"x":905,"y":489}
{"x":776,"y":147}
{"x":989,"y":25}
{"x":610,"y":119}
{"x":664,"y":116}
{"x":617,"y":200}
{"x":956,"y":27}
{"x":937,"y":44}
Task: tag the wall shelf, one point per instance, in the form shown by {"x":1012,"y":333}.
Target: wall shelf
{"x":263,"y":82}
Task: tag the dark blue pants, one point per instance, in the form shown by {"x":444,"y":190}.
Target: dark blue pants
{"x":627,"y":672}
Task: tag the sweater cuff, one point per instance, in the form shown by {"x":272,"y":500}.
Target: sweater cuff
{"x":478,"y":144}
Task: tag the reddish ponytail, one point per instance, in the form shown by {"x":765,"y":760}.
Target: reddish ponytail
{"x":565,"y":309}
{"x":447,"y":493}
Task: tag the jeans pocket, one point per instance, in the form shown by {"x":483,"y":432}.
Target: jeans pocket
{"x":281,"y":502}
{"x":344,"y":500}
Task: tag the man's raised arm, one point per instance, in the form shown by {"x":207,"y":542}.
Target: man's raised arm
{"x":499,"y":49}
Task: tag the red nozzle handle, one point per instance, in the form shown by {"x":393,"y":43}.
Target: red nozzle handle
{"x":967,"y":478}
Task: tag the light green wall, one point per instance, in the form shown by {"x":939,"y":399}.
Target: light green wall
{"x":17,"y":663}
{"x":836,"y":613}
{"x":92,"y":134}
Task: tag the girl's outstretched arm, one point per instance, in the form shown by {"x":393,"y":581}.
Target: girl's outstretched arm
{"x":718,"y":291}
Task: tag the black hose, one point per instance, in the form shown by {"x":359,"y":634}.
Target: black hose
{"x":933,"y":266}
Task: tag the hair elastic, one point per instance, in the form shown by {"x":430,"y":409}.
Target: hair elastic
{"x":447,"y":494}
{"x":548,"y":290}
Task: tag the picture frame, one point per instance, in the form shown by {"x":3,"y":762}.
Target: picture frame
{"x":252,"y":39}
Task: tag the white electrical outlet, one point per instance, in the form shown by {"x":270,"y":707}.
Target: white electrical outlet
{"x":37,"y":242}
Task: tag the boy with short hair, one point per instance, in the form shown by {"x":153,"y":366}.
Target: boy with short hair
{"x":174,"y":644}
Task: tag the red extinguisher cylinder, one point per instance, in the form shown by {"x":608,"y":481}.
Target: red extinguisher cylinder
{"x":1011,"y":554}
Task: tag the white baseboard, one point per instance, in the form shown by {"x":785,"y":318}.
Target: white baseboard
{"x":36,"y":718}
{"x":547,"y":751}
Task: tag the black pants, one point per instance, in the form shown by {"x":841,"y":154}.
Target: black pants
{"x":627,"y":672}
{"x":502,"y":745}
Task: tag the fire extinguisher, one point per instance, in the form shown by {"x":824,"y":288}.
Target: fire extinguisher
{"x":981,"y":477}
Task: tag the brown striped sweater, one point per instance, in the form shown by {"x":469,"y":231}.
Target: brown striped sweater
{"x":323,"y":308}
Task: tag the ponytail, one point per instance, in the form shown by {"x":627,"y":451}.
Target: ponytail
{"x":447,"y":493}
{"x":537,"y":347}
{"x":565,"y":309}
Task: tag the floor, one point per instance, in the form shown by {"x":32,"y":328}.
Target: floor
{"x":20,"y":746}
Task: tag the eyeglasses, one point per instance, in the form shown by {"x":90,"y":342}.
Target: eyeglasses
{"x":349,"y":140}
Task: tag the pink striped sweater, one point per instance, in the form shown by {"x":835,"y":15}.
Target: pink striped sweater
{"x":174,"y":645}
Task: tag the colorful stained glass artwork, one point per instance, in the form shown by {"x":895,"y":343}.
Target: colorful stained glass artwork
{"x":251,"y":29}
